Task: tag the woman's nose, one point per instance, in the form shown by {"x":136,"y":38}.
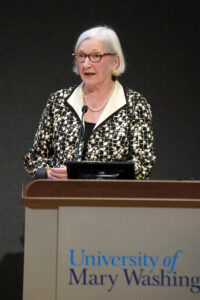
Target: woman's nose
{"x":87,"y":61}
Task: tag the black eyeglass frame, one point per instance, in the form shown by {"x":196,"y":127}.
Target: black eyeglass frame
{"x":89,"y":56}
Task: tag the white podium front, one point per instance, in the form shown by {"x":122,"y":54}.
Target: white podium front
{"x":111,"y":240}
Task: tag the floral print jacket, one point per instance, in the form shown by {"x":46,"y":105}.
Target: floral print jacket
{"x":122,"y":133}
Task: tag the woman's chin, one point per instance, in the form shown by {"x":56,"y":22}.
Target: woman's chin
{"x":90,"y":80}
{"x":89,"y":77}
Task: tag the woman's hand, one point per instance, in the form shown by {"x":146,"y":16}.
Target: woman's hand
{"x":57,"y":173}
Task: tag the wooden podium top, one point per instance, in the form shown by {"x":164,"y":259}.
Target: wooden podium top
{"x":145,"y":193}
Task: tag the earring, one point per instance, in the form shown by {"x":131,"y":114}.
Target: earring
{"x":113,"y":72}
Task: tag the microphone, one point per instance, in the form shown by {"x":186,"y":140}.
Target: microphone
{"x":84,"y":110}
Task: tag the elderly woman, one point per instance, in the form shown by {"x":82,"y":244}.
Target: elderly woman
{"x":117,"y":124}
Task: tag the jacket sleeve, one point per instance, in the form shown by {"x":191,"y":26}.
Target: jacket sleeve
{"x":142,"y":140}
{"x":41,"y":152}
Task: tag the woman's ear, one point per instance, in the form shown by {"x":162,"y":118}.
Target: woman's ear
{"x":116,"y":63}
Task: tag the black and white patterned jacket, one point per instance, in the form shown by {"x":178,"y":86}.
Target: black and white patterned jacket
{"x":122,"y":133}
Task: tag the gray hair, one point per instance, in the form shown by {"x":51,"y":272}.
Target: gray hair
{"x":109,"y":36}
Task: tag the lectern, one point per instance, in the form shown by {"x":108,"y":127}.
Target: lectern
{"x":95,"y":239}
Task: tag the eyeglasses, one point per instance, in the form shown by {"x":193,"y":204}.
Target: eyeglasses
{"x":93,"y":57}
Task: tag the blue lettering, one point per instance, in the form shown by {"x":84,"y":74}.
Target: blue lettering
{"x":87,"y":257}
{"x":113,"y":261}
{"x":174,"y":261}
{"x":72,"y":257}
{"x":106,"y":261}
{"x":133,"y":261}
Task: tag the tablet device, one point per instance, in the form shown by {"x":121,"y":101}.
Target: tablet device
{"x":100,"y":170}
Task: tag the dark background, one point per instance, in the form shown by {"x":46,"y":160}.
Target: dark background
{"x":161,"y":47}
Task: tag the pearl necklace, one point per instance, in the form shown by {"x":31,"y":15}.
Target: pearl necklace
{"x":100,"y":107}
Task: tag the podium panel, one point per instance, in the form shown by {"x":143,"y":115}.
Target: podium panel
{"x":112,"y":240}
{"x":40,"y":254}
{"x":122,"y":253}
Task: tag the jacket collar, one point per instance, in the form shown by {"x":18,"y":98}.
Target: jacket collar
{"x":116,"y":101}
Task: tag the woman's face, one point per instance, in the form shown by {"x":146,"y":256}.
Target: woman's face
{"x":98,"y":73}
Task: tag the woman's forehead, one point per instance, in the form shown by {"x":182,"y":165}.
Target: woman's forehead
{"x":91,"y":45}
